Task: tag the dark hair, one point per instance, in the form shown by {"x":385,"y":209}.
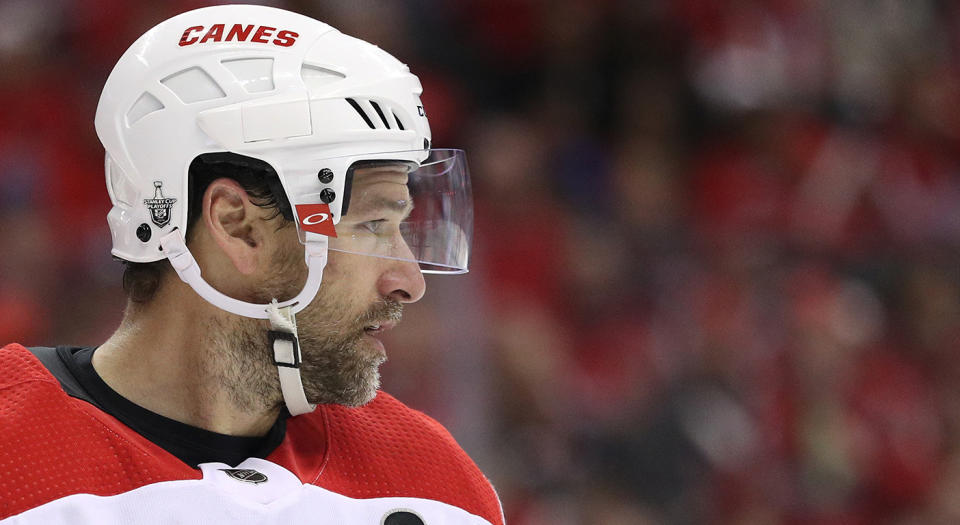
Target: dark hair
{"x":142,"y":280}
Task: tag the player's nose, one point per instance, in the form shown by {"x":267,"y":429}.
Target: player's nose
{"x":402,"y":281}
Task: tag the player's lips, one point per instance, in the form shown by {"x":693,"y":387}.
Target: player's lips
{"x":379,"y":328}
{"x":374,"y":331}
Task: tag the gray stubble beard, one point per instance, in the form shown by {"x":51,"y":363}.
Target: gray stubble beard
{"x":337,"y":368}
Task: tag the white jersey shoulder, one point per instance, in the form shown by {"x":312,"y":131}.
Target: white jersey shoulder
{"x":256,"y":491}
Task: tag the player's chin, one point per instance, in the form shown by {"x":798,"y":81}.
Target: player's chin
{"x":369,"y":383}
{"x":356,"y":388}
{"x":365,"y":395}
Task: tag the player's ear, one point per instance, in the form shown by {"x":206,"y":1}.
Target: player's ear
{"x":232,"y":221}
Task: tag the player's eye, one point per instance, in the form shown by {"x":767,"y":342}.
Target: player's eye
{"x":375,"y":226}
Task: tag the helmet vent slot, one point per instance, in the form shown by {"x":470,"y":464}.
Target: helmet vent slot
{"x":377,"y":115}
{"x":254,"y":74}
{"x":193,"y":85}
{"x":360,"y":112}
{"x":376,"y":107}
{"x":144,"y":106}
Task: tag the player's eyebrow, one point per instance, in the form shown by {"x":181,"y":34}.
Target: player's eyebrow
{"x":404,"y":206}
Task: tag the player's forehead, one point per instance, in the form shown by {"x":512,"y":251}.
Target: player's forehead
{"x":380,"y":188}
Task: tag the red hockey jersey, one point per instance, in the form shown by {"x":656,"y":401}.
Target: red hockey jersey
{"x":62,"y":460}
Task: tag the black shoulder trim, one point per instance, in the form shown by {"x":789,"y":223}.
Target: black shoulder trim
{"x":53,"y":360}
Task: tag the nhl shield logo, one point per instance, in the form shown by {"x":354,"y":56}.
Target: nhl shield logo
{"x":246,"y":475}
{"x":159,"y":205}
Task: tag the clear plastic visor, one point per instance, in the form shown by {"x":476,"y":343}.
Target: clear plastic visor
{"x":413,"y":206}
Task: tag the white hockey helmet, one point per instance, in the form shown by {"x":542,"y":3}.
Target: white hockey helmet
{"x":309,"y":101}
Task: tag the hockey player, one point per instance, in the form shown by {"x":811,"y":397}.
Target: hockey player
{"x":275,"y":201}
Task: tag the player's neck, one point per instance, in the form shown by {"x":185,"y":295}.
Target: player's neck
{"x":166,"y":361}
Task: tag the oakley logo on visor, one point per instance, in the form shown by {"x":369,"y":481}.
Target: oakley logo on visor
{"x":316,"y":218}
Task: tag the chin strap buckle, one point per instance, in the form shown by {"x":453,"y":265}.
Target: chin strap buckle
{"x":286,"y":356}
{"x":286,"y":348}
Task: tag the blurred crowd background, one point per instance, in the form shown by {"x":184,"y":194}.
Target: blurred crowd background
{"x":716,"y":276}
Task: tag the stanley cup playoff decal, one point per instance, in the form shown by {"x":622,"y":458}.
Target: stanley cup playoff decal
{"x":159,"y":205}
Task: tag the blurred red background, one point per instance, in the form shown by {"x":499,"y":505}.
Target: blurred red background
{"x":716,"y":276}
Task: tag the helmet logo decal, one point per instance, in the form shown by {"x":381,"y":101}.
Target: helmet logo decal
{"x":316,"y":218}
{"x":159,"y":205}
{"x":238,"y":33}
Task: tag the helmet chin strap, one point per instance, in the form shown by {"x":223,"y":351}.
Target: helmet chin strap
{"x":286,"y":356}
{"x":283,"y":327}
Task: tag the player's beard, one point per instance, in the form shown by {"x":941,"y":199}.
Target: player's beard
{"x":338,"y":365}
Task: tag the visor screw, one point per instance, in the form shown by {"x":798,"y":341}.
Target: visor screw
{"x":143,"y":232}
{"x":325,"y":175}
{"x":328,"y":195}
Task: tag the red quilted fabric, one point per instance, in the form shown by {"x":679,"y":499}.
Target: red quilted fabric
{"x":388,"y":449}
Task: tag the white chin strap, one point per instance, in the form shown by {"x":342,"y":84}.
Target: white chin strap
{"x":283,"y":325}
{"x":286,"y":355}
